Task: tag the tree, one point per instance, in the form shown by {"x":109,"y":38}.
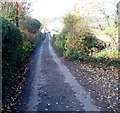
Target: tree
{"x":15,"y":10}
{"x":104,"y":18}
{"x":78,"y":35}
{"x":31,"y":25}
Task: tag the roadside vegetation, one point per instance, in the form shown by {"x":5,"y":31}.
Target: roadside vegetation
{"x":21,"y":34}
{"x":79,"y":41}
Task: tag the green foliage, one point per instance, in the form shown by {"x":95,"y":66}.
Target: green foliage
{"x":77,"y":42}
{"x":78,"y":35}
{"x":108,"y":55}
{"x":12,"y":50}
{"x":8,"y":11}
{"x":81,"y":43}
{"x":16,"y":49}
{"x":31,"y":25}
{"x":39,"y":39}
{"x":27,"y":48}
{"x":60,"y":42}
{"x":111,"y":31}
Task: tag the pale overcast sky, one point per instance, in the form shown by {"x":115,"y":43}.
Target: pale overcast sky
{"x":55,"y":8}
{"x":50,"y":8}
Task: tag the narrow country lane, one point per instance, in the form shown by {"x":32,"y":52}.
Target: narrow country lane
{"x":51,"y":87}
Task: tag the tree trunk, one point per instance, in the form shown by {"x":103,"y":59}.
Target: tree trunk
{"x":17,"y":13}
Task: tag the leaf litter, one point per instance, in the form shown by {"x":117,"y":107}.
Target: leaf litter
{"x":102,"y":82}
{"x":11,"y":98}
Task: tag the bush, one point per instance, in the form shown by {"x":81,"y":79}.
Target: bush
{"x":31,"y":25}
{"x":60,"y":42}
{"x":112,"y":31}
{"x":77,"y":41}
{"x":16,"y":52}
{"x":79,"y":37}
{"x":16,"y":49}
{"x":12,"y":40}
{"x":81,"y":43}
{"x":108,"y":55}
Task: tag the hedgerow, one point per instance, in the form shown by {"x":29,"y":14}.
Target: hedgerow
{"x":17,"y":49}
{"x":12,"y":57}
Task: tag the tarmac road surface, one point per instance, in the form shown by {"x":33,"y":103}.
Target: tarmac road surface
{"x":51,"y":87}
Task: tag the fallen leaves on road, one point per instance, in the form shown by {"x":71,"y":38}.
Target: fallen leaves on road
{"x":102,"y":82}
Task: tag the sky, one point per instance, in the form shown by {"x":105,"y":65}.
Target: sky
{"x":57,"y":8}
{"x":50,"y":8}
{"x":54,"y":8}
